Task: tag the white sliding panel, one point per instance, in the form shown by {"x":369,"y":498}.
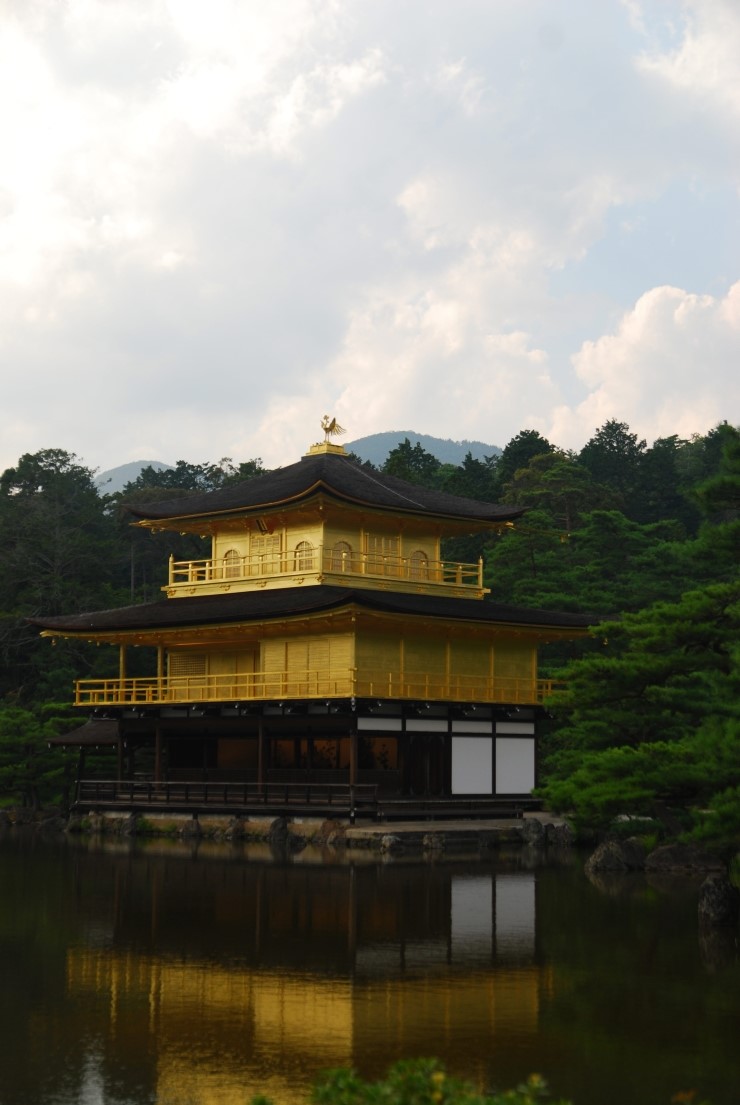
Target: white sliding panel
{"x":514,"y":765}
{"x":472,"y":765}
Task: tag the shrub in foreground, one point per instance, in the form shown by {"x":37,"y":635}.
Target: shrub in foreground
{"x":426,"y":1082}
{"x":417,"y":1082}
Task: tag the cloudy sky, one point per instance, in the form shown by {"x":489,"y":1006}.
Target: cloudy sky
{"x":221,"y":220}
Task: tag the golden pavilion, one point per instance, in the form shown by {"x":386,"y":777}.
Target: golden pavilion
{"x":324,"y":657}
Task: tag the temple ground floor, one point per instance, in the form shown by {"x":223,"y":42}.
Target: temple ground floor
{"x":371,"y":757}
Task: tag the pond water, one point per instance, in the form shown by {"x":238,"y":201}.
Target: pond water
{"x":158,"y":973}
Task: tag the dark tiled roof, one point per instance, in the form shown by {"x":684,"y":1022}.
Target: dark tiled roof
{"x":337,"y":476}
{"x":95,"y":732}
{"x":287,"y":602}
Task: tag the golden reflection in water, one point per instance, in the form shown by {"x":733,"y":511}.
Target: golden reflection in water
{"x":289,"y":973}
{"x":221,"y":1035}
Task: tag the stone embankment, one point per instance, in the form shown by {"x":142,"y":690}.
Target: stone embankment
{"x":389,"y":838}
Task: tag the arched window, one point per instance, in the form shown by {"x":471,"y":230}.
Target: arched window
{"x":419,"y":565}
{"x":341,"y":557}
{"x":304,"y":556}
{"x":231,"y":564}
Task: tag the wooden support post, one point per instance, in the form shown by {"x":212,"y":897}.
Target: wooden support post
{"x":158,"y":755}
{"x":261,"y":750}
{"x":353,"y":750}
{"x":80,"y":771}
{"x":352,"y":769}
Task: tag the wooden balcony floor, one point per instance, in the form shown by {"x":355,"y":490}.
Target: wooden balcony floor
{"x":331,"y":801}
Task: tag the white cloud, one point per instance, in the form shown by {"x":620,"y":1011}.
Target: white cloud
{"x":466,"y":86}
{"x":413,"y":360}
{"x":705,"y":63}
{"x":671,"y":367}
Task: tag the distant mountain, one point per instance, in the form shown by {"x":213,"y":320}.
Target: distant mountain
{"x":115,"y":479}
{"x":376,"y":447}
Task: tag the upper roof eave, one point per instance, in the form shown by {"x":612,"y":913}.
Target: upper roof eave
{"x":506,"y":514}
{"x":335,"y":476}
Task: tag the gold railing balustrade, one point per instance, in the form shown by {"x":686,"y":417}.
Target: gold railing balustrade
{"x":311,"y":684}
{"x":325,"y":561}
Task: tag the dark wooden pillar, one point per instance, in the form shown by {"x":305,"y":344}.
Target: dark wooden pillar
{"x":80,"y":770}
{"x":352,"y":769}
{"x":261,"y":752}
{"x":158,"y":755}
{"x":353,"y":751}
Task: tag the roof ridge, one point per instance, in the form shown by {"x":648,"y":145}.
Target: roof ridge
{"x":385,"y":486}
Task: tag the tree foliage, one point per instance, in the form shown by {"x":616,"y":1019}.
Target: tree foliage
{"x":518,"y":453}
{"x":186,"y":478}
{"x":31,"y":774}
{"x":652,"y":721}
{"x":412,"y":463}
{"x":557,"y":483}
{"x":614,"y":457}
{"x":59,"y":555}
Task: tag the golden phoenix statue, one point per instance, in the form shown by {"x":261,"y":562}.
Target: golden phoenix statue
{"x":331,"y":428}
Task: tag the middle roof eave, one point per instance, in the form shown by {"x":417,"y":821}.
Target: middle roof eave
{"x":294,"y":602}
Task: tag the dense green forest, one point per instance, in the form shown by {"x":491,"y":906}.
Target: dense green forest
{"x":645,"y":539}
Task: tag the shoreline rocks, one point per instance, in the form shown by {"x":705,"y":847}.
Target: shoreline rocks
{"x":618,"y":855}
{"x":719,"y":902}
{"x":683,"y":857}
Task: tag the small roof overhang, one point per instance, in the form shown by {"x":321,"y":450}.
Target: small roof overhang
{"x":95,"y":733}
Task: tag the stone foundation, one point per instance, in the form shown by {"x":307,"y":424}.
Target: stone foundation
{"x":428,"y":838}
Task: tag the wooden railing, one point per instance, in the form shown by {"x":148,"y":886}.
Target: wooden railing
{"x":320,"y":560}
{"x":311,"y":684}
{"x":454,"y":688}
{"x":214,"y":796}
{"x":309,"y":798}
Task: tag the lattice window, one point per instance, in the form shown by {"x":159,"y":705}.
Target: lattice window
{"x":232,"y":564}
{"x":419,"y":564}
{"x":341,"y":557}
{"x":264,"y":553}
{"x":186,"y":664}
{"x":382,"y":554}
{"x":304,"y":556}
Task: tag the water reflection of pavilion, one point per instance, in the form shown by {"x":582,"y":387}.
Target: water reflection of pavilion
{"x":312,"y":969}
